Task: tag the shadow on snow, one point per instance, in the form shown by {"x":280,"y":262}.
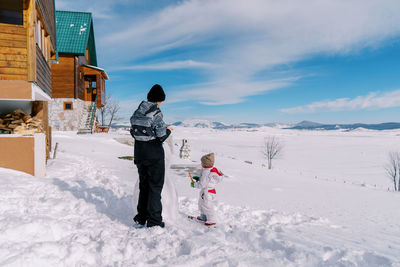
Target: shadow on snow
{"x":116,"y":208}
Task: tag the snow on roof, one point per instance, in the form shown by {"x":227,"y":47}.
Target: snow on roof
{"x":97,"y":68}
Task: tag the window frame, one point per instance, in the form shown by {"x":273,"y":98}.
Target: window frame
{"x":42,"y":39}
{"x":68,"y":103}
{"x":39,"y":33}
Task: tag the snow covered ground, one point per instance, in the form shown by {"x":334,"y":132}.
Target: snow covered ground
{"x":325,"y":203}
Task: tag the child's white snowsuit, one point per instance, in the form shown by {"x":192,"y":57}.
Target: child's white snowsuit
{"x":210,"y":176}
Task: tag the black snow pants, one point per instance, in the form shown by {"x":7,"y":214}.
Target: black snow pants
{"x":151,"y":182}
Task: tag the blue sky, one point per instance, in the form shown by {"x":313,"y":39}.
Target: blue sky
{"x":331,"y":61}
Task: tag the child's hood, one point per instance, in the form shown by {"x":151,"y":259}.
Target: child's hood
{"x":144,"y":114}
{"x":146,"y":109}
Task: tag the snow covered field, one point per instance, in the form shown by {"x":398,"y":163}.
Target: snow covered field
{"x":325,"y":203}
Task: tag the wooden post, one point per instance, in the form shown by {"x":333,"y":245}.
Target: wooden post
{"x":77,"y":78}
{"x":40,"y":109}
{"x":98,"y":92}
{"x":55,"y":150}
{"x":31,"y":36}
{"x":49,"y":140}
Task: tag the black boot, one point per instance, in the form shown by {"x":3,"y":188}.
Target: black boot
{"x":162,"y":225}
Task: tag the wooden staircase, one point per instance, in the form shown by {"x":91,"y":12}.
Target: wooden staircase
{"x":86,"y":125}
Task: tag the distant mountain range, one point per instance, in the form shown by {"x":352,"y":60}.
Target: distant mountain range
{"x":304,"y":125}
{"x":221,"y":125}
{"x":309,"y":125}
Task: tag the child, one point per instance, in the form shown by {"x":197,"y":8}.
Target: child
{"x":210,"y":176}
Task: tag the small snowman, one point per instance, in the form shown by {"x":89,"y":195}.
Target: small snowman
{"x":184,"y":152}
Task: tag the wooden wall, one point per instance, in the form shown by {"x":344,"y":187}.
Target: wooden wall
{"x":43,"y":72}
{"x":81,"y":79}
{"x":13,"y":52}
{"x":63,"y":77}
{"x":47,"y":10}
{"x":19,"y":57}
{"x":68,"y":78}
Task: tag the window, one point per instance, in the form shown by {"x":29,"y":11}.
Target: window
{"x":68,"y":106}
{"x":39,"y":34}
{"x":42,"y":39}
{"x":11,"y":12}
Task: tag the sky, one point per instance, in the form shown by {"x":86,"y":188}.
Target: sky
{"x":258,"y":61}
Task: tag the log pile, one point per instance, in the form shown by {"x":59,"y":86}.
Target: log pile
{"x":18,"y":122}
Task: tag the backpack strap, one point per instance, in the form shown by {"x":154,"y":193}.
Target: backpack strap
{"x":152,"y":109}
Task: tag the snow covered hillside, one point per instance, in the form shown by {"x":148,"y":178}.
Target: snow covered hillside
{"x":324,"y":203}
{"x":224,"y":126}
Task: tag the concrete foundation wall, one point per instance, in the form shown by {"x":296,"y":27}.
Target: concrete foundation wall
{"x":67,"y":120}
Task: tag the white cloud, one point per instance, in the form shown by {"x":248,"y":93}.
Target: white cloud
{"x":370,"y":101}
{"x":282,"y":30}
{"x":227,"y":92}
{"x":234,"y":40}
{"x":173,"y":65}
{"x":129,"y":104}
{"x":243,"y":38}
{"x":127,"y":107}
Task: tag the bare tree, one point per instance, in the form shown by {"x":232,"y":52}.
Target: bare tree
{"x":108,"y":111}
{"x":393,"y":169}
{"x":103,"y":111}
{"x":272,"y":149}
{"x":113,"y":110}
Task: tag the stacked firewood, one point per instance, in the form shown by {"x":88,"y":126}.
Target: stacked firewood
{"x":18,"y":122}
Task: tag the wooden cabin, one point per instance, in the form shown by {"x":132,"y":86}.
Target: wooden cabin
{"x":27,"y":49}
{"x":78,"y":83}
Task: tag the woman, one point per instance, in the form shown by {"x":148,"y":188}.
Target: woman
{"x":169,"y":196}
{"x":150,"y":132}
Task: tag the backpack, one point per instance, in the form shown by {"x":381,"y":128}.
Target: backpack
{"x":144,"y":133}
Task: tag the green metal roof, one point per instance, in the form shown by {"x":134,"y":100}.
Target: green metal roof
{"x":75,"y":33}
